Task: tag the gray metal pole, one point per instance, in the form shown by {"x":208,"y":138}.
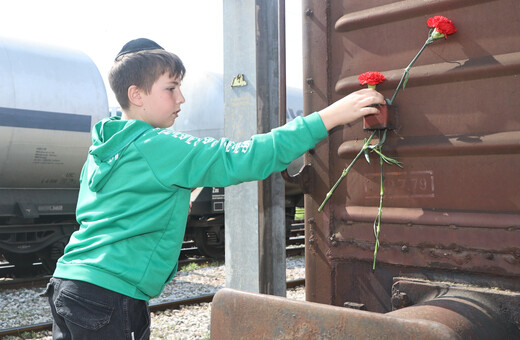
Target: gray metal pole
{"x":255,"y":212}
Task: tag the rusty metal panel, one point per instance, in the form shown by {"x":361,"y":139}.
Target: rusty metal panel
{"x":316,"y":95}
{"x":453,"y":211}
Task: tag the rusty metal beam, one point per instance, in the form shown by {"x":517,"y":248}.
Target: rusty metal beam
{"x":502,"y":143}
{"x":241,"y":315}
{"x":397,"y":11}
{"x":463,"y":70}
{"x":444,"y":311}
{"x":409,"y":216}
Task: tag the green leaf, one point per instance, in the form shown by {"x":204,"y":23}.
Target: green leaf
{"x":367,"y":156}
{"x":387,"y":159}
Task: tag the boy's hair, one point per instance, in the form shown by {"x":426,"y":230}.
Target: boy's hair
{"x":142,"y":69}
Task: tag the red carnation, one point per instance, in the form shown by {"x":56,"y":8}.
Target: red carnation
{"x":371,"y":78}
{"x":443,"y":26}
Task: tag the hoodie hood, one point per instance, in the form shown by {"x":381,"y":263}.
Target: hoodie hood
{"x":110,"y":137}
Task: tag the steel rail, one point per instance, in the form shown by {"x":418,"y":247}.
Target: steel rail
{"x":158,"y":307}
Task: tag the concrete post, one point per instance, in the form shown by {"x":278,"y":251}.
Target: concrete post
{"x":255,"y":211}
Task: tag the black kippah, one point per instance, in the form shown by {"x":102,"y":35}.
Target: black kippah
{"x":137,"y":45}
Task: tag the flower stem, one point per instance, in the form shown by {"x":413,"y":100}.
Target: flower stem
{"x":407,"y":69}
{"x":377,"y":221}
{"x":345,"y":171}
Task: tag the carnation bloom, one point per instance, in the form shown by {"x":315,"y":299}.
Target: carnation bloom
{"x":371,"y":78}
{"x":442,"y":27}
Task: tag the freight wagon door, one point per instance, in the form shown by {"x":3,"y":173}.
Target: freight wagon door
{"x":452,"y":211}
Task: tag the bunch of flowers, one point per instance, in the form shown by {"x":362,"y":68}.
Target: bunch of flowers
{"x":440,"y":27}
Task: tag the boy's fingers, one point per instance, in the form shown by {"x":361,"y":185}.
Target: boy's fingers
{"x":371,"y":100}
{"x":367,"y":110}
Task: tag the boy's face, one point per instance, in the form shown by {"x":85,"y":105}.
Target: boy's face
{"x":163,"y":104}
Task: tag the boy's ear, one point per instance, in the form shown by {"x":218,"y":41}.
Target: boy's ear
{"x":134,"y":95}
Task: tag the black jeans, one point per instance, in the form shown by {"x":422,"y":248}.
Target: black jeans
{"x":85,"y":311}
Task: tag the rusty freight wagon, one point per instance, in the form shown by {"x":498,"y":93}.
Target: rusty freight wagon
{"x":452,"y":213}
{"x":448,"y":263}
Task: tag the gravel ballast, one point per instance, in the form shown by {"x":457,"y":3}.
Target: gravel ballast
{"x":25,"y":307}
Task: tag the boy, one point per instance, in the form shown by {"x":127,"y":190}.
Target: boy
{"x":135,"y":191}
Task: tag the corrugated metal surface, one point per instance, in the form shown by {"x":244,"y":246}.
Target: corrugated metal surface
{"x":452,"y":212}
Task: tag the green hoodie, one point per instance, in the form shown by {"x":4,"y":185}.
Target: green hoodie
{"x":135,"y":194}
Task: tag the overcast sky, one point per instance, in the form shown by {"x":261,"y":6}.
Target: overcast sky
{"x":191,"y":29}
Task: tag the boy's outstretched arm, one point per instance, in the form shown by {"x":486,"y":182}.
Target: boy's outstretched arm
{"x":349,"y":108}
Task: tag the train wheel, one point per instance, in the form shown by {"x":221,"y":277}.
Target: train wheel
{"x":50,"y":255}
{"x":210,"y":241}
{"x":23,"y":264}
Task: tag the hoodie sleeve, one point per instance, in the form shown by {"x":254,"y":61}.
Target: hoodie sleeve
{"x":178,"y":159}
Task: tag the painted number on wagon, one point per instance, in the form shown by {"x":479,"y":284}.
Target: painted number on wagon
{"x":412,"y":184}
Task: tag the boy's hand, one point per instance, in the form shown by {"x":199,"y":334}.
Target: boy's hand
{"x":349,"y":108}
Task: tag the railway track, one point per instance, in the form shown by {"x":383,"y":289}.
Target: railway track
{"x":174,"y":304}
{"x":189,"y":254}
{"x":41,"y":281}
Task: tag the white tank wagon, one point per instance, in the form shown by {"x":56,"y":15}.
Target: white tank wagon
{"x":49,"y":100}
{"x":202,"y":114}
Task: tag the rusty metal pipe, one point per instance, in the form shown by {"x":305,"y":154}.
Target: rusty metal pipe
{"x":472,"y":312}
{"x":467,"y":318}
